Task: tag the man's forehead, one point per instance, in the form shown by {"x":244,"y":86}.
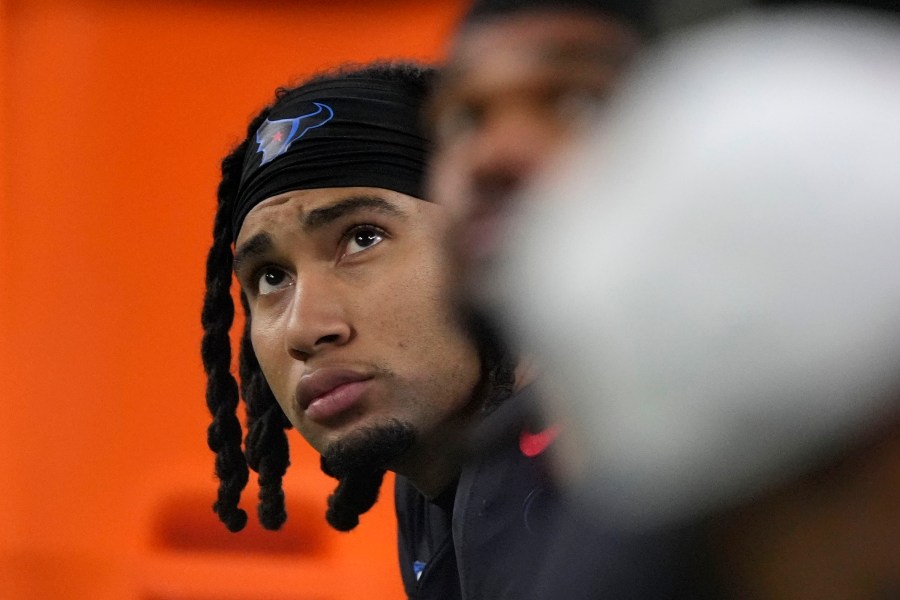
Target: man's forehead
{"x":279,"y":200}
{"x":308,"y":210}
{"x":507,"y":50}
{"x":562,"y":34}
{"x":270,"y":210}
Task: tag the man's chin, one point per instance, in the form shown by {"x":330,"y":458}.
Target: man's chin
{"x":375,"y":447}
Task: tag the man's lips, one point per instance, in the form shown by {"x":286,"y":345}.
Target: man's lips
{"x":327,"y":392}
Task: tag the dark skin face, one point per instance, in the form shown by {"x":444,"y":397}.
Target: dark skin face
{"x":352,"y":323}
{"x":517,"y":89}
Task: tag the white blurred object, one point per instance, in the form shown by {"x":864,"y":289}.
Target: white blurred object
{"x":713,"y":280}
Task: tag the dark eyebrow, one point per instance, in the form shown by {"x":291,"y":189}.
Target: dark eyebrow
{"x":582,"y":52}
{"x":320,"y":217}
{"x":255,"y":246}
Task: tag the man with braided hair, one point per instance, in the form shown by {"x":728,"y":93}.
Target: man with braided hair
{"x":352,"y":336}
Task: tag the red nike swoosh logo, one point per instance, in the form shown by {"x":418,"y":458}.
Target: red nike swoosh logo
{"x":532,"y":444}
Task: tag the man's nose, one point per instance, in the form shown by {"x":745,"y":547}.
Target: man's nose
{"x":317,"y":319}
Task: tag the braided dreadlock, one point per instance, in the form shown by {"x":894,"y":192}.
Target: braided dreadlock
{"x":224,"y":433}
{"x":266,"y":442}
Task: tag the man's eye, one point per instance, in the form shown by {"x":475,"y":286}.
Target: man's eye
{"x":362,"y":238}
{"x":458,"y":120}
{"x":271,"y":280}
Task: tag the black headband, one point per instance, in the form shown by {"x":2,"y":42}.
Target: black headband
{"x":339,"y":133}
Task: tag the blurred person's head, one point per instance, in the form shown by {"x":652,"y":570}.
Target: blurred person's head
{"x":350,"y":335}
{"x":717,"y":304}
{"x":523,"y":77}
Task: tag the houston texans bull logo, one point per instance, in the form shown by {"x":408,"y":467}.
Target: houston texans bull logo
{"x":275,"y":137}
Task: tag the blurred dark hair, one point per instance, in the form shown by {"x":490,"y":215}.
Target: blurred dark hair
{"x":636,"y":13}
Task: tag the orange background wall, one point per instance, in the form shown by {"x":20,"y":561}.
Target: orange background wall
{"x":113,"y":117}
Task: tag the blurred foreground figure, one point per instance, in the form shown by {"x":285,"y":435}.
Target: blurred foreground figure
{"x":715,"y":295}
{"x":523,"y":78}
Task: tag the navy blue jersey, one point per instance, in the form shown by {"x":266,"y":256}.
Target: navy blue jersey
{"x":487,"y":536}
{"x":504,"y":532}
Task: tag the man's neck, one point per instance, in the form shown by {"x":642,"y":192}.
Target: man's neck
{"x":433,"y":480}
{"x":434,"y":463}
